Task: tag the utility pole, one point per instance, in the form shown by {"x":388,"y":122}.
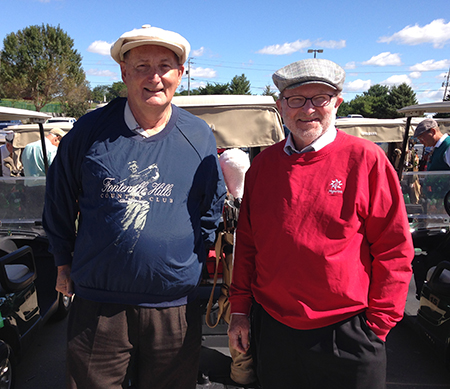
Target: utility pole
{"x":315,"y":51}
{"x":189,"y":76}
{"x":446,"y":85}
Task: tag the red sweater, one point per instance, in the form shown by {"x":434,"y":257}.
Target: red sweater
{"x":323,"y":236}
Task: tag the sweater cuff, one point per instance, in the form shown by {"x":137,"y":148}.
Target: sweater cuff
{"x":62,"y":259}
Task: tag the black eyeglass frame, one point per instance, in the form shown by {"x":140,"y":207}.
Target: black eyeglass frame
{"x":311,"y":99}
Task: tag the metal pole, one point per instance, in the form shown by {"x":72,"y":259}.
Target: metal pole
{"x":404,"y":151}
{"x":189,"y":77}
{"x":446,"y":85}
{"x":44,"y":148}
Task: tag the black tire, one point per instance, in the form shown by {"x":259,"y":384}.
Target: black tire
{"x":7,"y":367}
{"x":447,"y":202}
{"x":64,"y":304}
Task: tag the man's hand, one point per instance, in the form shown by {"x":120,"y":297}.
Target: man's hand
{"x":63,"y":281}
{"x":238,"y":332}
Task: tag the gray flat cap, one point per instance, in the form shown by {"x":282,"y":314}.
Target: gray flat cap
{"x":424,"y":126}
{"x":310,"y":71}
{"x":148,"y":35}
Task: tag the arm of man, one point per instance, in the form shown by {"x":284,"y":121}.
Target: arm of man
{"x":61,"y":205}
{"x":391,"y":247}
{"x":215,"y":192}
{"x":243,"y":271}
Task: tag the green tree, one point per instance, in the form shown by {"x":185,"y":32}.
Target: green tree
{"x":98,"y":94}
{"x":268,"y":92}
{"x":75,"y":101}
{"x":400,"y":96}
{"x":239,"y":85}
{"x":39,"y":63}
{"x":380,"y":102}
{"x":117,"y":89}
{"x":214,"y":89}
{"x":344,"y":109}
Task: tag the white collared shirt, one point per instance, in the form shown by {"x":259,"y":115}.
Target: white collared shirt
{"x":132,"y":123}
{"x":325,"y":139}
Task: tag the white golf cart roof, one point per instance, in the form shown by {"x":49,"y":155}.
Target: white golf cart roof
{"x":422,"y":109}
{"x":7,"y":113}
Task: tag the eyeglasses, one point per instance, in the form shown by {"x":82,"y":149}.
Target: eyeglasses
{"x":317,"y":100}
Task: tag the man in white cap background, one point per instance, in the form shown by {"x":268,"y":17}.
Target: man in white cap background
{"x":33,"y":158}
{"x":6,"y":155}
{"x":323,"y":248}
{"x":429,"y":134}
{"x":145,"y":179}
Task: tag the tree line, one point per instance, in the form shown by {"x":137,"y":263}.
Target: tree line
{"x":40,"y":64}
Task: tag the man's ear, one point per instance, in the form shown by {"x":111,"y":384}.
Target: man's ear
{"x":339,"y":101}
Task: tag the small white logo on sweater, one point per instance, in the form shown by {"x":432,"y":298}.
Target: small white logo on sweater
{"x":336,"y":187}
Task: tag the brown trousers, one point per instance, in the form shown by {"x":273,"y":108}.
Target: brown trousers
{"x":111,"y":344}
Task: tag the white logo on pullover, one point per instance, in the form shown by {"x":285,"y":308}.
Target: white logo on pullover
{"x":336,"y":187}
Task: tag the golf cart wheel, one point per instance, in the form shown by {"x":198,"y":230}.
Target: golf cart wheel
{"x":7,"y":366}
{"x":447,"y":202}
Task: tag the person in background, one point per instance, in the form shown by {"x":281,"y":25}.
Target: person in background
{"x":33,"y":157}
{"x":6,"y":152}
{"x":429,"y":134}
{"x":144,"y":177}
{"x":323,"y":246}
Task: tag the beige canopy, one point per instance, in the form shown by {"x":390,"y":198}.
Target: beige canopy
{"x":27,"y":133}
{"x":376,"y":130}
{"x":237,"y":120}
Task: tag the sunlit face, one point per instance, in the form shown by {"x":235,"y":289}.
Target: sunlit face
{"x":55,"y":140}
{"x":308,"y":122}
{"x":152,"y":75}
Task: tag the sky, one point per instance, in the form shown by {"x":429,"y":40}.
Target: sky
{"x":386,"y":42}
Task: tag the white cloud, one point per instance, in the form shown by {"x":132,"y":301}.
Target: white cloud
{"x":350,"y":65}
{"x":102,"y":73}
{"x":198,"y":53}
{"x":415,"y":74}
{"x":100,"y":47}
{"x":430,"y":95}
{"x":203,"y":72}
{"x":442,"y":75}
{"x":330,"y":44}
{"x":384,"y":59}
{"x":437,"y":33}
{"x":285,"y":48}
{"x":430,"y":64}
{"x":358,"y":85}
{"x":292,"y":47}
{"x":397,"y":80}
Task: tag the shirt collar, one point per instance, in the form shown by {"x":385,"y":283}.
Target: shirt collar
{"x":439,"y":142}
{"x":324,"y":140}
{"x":132,"y":123}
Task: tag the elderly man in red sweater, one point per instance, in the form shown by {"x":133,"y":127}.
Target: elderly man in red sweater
{"x":323,"y":248}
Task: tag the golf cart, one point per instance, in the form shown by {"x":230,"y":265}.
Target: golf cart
{"x":427,"y":198}
{"x":27,"y":271}
{"x":245,"y":124}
